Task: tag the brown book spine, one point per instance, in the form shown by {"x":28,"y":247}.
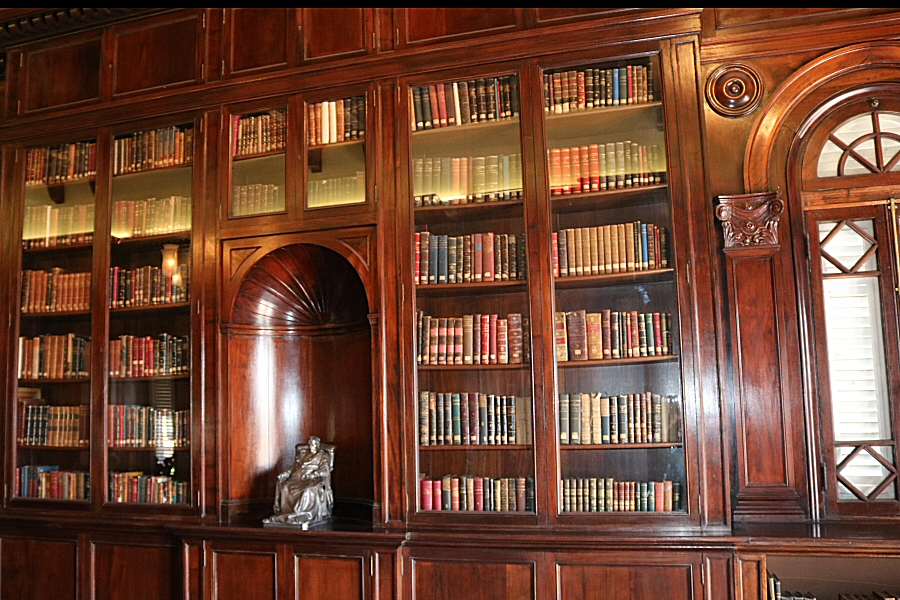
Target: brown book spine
{"x":457,"y":341}
{"x":515,"y":338}
{"x":576,"y":328}
{"x":488,"y":265}
{"x":441,"y":103}
{"x":492,"y":331}
{"x":562,"y":341}
{"x":486,"y":339}
{"x":502,"y":341}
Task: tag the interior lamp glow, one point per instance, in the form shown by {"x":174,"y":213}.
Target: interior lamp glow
{"x":170,"y":260}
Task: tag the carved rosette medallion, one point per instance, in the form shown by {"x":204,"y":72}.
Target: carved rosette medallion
{"x":750,"y":220}
{"x":734,"y":90}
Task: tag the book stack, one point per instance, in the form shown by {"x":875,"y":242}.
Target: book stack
{"x":49,"y":226}
{"x":147,"y":286}
{"x":599,"y":494}
{"x":439,"y":181}
{"x":56,"y":426}
{"x":774,"y":592}
{"x":135,"y":486}
{"x":60,"y":164}
{"x":586,"y":89}
{"x":336,"y":121}
{"x":258,"y":133}
{"x":624,"y":419}
{"x":465,"y":492}
{"x":54,"y":357}
{"x":598,"y":167}
{"x":48,"y":481}
{"x":146,"y":356}
{"x":256,"y":198}
{"x":153,"y":149}
{"x":473,"y":258}
{"x":55,"y":291}
{"x":136,"y":426}
{"x":464,"y":102}
{"x":337,"y":190}
{"x":452,"y":340}
{"x":152,"y":216}
{"x":612,"y":334}
{"x":605,"y":249}
{"x":454,"y":419}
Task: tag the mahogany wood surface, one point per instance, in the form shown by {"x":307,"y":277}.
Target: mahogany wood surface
{"x":38,"y":568}
{"x":134,"y":571}
{"x":82,"y":55}
{"x":258,"y":39}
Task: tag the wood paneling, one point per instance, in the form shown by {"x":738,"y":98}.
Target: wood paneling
{"x":237,"y":575}
{"x":132,"y":572}
{"x":61,"y":75}
{"x":330,"y":33}
{"x":625,"y":582}
{"x":157,"y":53}
{"x":37,"y":569}
{"x":326,"y":577}
{"x":446,"y":580}
{"x":434,"y":25}
{"x":559,"y":15}
{"x":259,"y":39}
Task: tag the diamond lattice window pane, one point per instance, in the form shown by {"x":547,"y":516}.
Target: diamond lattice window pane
{"x":847,"y":247}
{"x":866,"y":473}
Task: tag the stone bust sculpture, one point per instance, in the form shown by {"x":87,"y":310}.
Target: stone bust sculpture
{"x":303,"y":493}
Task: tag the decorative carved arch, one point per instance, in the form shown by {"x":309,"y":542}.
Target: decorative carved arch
{"x":793,"y":102}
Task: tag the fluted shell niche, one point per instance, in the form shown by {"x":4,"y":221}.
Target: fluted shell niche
{"x":299,"y":363}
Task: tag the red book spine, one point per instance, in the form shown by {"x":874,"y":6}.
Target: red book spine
{"x":555,"y":254}
{"x":425,"y":499}
{"x":485,"y":338}
{"x":657,"y":333}
{"x":479,"y":493}
{"x":488,"y":257}
{"x":492,"y":324}
{"x":478,"y":252}
{"x":436,"y":494}
{"x":442,"y":104}
{"x":435,"y":110}
{"x":418,"y":256}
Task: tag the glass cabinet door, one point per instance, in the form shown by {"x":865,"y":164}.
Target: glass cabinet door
{"x":258,"y":143}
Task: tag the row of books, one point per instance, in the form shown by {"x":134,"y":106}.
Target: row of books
{"x":472,"y":258}
{"x":151,"y":216}
{"x":599,"y":494}
{"x":48,"y":481}
{"x":256,"y":198}
{"x":153,"y":149}
{"x":439,"y":181}
{"x":470,"y":418}
{"x":623,"y":419}
{"x":336,"y":191}
{"x":605,"y":249}
{"x":585,"y":89}
{"x":598,"y":167}
{"x":465,"y":492}
{"x":64,"y":356}
{"x":258,"y":133}
{"x":612,"y":334}
{"x":56,"y":426}
{"x":49,"y":226}
{"x":55,"y":291}
{"x":146,"y":286}
{"x":62,"y":163}
{"x":336,"y":121}
{"x":146,"y":356}
{"x":137,"y":426}
{"x":453,"y":340}
{"x":464,"y":102}
{"x":137,"y":487}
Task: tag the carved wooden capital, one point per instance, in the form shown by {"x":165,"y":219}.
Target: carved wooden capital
{"x":750,"y":220}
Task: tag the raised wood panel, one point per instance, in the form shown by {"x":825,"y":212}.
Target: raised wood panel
{"x":325,"y":577}
{"x":37,"y":569}
{"x":156,"y":53}
{"x":62,"y":75}
{"x":242,"y":575}
{"x":335,"y":32}
{"x":625,"y":582}
{"x":446,"y":580}
{"x":126,"y":572}
{"x":259,"y":39}
{"x":749,"y":577}
{"x":434,"y":25}
{"x":559,"y":15}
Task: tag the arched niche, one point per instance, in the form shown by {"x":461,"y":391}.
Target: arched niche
{"x":298,"y":352}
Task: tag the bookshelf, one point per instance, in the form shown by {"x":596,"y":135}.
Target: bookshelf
{"x":619,"y":413}
{"x":54,"y":327}
{"x":258,"y":140}
{"x":147,"y":433}
{"x":474,"y":386}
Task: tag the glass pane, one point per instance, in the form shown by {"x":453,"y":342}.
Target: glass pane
{"x":865,"y":473}
{"x":854,"y":128}
{"x":475,"y":391}
{"x":828,"y":160}
{"x":856,"y":359}
{"x":336,"y":152}
{"x":618,"y":405}
{"x":854,"y":167}
{"x":848,"y":246}
{"x":889,"y":122}
{"x":54,"y":347}
{"x":149,"y":397}
{"x":257,"y":170}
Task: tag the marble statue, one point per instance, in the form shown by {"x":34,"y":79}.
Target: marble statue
{"x":303,"y":493}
